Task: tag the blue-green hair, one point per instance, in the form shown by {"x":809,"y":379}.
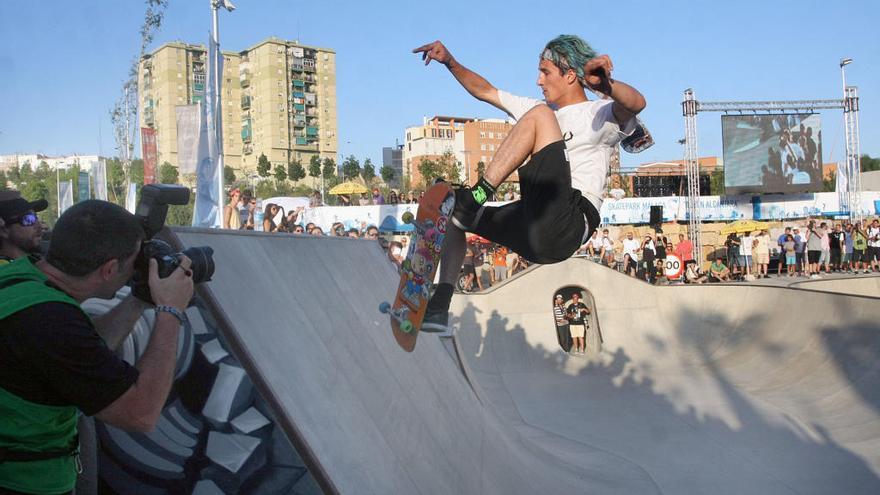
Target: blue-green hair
{"x":568,"y":51}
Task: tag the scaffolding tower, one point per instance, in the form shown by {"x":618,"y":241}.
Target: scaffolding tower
{"x":850,"y":198}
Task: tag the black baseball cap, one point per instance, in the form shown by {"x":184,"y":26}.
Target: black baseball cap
{"x":15,"y":208}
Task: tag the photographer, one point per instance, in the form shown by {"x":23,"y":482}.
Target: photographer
{"x":53,"y":360}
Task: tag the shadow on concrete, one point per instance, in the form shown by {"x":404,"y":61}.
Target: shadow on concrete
{"x":756,"y":447}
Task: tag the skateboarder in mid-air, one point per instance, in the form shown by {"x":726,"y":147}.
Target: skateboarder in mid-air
{"x":567,"y":140}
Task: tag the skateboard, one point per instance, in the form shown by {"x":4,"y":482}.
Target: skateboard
{"x":418,"y":269}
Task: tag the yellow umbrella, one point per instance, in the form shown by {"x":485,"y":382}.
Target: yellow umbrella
{"x":741,"y":226}
{"x":349,"y":188}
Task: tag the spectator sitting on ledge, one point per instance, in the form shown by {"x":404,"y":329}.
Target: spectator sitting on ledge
{"x":718,"y":272}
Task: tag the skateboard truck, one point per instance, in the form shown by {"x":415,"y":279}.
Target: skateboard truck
{"x":400,"y":314}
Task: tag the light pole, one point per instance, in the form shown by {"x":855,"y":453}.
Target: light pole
{"x":850,"y":168}
{"x":843,"y":63}
{"x":215,"y":6}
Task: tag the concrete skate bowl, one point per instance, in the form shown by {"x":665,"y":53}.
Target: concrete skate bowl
{"x":863,"y":285}
{"x":707,"y":389}
{"x":728,"y":389}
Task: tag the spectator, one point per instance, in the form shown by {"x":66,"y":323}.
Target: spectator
{"x":486,"y":266}
{"x":745,"y":253}
{"x":231,"y":212}
{"x":662,"y":247}
{"x":846,"y":256}
{"x":835,"y":241}
{"x":563,"y":330}
{"x":780,"y":241}
{"x":309,"y":227}
{"x":392,"y":198}
{"x":411,"y":197}
{"x":860,"y":247}
{"x":499,"y":261}
{"x":591,"y":247}
{"x":607,"y":251}
{"x":873,"y":234}
{"x":56,"y":361}
{"x":378,"y":199}
{"x":800,"y":246}
{"x":372,"y":232}
{"x":684,"y":250}
{"x":718,"y":272}
{"x":395,"y":252}
{"x":363,"y":200}
{"x":814,"y":248}
{"x":788,"y":248}
{"x":732,"y":244}
{"x":353,"y":233}
{"x":577,"y":313}
{"x":22,"y":231}
{"x":249,"y":207}
{"x":469,"y":272}
{"x":288,"y":221}
{"x":337,"y":229}
{"x":825,"y":253}
{"x":649,"y":255}
{"x":316,"y":230}
{"x":315,"y":200}
{"x":512,"y":259}
{"x":298,"y":229}
{"x":269,"y":224}
{"x":761,"y":252}
{"x":631,"y":247}
{"x":692,"y":274}
{"x":344,"y":200}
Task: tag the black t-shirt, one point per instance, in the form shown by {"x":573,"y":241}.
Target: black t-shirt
{"x":51,"y":354}
{"x":576,"y":312}
{"x":834,"y":239}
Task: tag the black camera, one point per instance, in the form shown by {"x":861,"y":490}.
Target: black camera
{"x":152,"y":211}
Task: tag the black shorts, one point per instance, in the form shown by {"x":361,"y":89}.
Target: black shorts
{"x":813,"y":256}
{"x":872,"y":253}
{"x":469,"y":270}
{"x":858,"y":256}
{"x":546,"y":225}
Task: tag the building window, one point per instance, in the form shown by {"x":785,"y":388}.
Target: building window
{"x":482,"y":147}
{"x":491,"y":147}
{"x":482,"y":135}
{"x":491,"y":135}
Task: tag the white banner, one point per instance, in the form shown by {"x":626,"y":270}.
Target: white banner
{"x":65,"y":196}
{"x":98,"y":171}
{"x":388,"y":218}
{"x":210,"y":167}
{"x":188,"y":131}
{"x":131,"y":198}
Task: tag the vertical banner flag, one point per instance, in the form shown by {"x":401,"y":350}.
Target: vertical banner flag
{"x":131,"y":198}
{"x":65,"y":196}
{"x":208,"y":202}
{"x":188,"y":130}
{"x":148,"y":145}
{"x":83,"y":187}
{"x":99,"y":177}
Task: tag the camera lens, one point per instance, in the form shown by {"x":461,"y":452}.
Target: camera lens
{"x":202,"y":258}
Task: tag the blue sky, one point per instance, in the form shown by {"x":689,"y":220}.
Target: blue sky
{"x":61,"y":69}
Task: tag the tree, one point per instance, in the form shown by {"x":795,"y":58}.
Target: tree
{"x":830,"y":184}
{"x":351,"y":167}
{"x":168,"y":174}
{"x":329,"y":168}
{"x":716,"y":183}
{"x":295,"y":171}
{"x":481,"y":169}
{"x":369,"y":170}
{"x":264,"y":168}
{"x":315,"y":166}
{"x":387,"y":173}
{"x":3,"y":181}
{"x":868,"y":164}
{"x":228,"y":174}
{"x":446,"y":167}
{"x":280,"y":173}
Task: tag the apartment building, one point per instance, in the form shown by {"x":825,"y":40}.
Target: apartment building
{"x":470,"y":140}
{"x":278,"y":98}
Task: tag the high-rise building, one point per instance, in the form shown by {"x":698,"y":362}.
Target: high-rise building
{"x":393,"y":157}
{"x":470,"y":140}
{"x":278,"y":98}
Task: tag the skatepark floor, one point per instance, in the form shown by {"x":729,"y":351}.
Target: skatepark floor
{"x":727,"y":388}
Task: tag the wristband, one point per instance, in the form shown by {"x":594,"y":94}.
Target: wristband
{"x":173,"y":311}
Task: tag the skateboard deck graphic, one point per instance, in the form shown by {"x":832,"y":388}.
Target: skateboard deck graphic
{"x":418,"y":269}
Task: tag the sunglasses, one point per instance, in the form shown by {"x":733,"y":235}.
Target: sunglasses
{"x":26,"y":220}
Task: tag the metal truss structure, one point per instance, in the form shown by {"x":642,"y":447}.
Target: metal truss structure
{"x":850,"y":198}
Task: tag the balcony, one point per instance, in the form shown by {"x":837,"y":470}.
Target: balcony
{"x":244,"y":78}
{"x":246,"y":132}
{"x":299,"y":107}
{"x":312,"y":131}
{"x":149,"y":118}
{"x":245,"y":102}
{"x":298,"y":83}
{"x":299,"y":121}
{"x":247,"y":149}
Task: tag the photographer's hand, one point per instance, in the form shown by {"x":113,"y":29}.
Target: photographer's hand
{"x":174,"y":290}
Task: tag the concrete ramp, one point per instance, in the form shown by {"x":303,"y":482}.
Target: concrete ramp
{"x":722,"y":389}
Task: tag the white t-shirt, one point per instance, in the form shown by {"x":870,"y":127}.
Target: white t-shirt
{"x":607,"y":244}
{"x":590,"y":132}
{"x":745,"y":248}
{"x":632,"y":246}
{"x":873,"y":236}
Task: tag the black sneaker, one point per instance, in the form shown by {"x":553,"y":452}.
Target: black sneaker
{"x":468,"y":208}
{"x":436,"y":321}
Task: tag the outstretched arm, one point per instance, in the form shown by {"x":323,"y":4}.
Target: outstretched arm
{"x":474,"y":83}
{"x":628,"y":102}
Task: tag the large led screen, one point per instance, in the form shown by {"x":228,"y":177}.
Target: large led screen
{"x":772,"y":153}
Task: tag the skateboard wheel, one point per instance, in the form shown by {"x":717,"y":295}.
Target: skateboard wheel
{"x":408,"y":217}
{"x":406,"y":326}
{"x":385,"y":307}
